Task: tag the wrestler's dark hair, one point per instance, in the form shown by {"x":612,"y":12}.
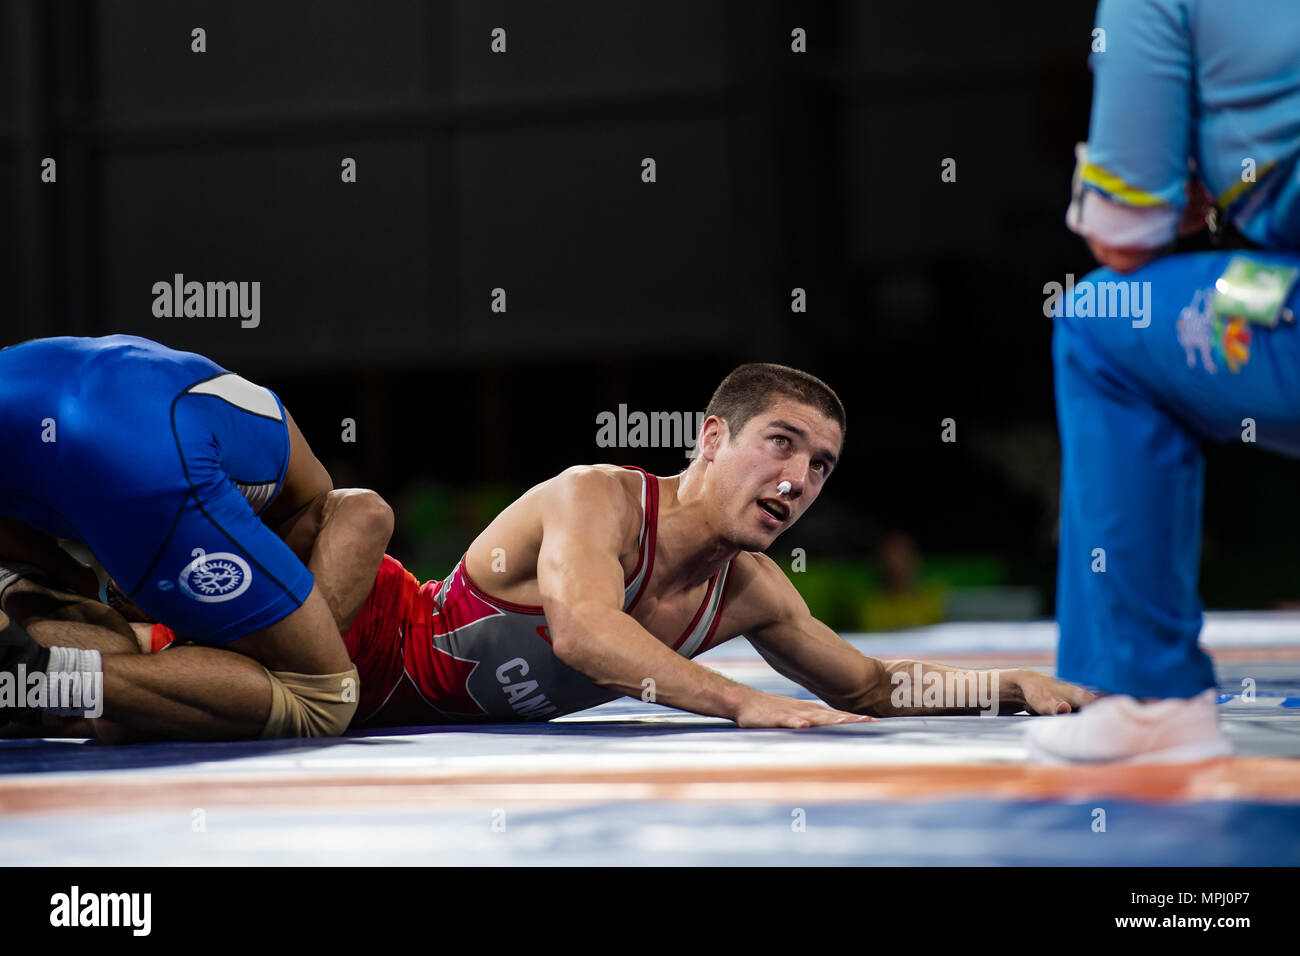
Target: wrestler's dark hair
{"x":750,"y":390}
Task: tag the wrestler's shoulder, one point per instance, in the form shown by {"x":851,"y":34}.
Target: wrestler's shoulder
{"x":601,"y":475}
{"x":589,"y":484}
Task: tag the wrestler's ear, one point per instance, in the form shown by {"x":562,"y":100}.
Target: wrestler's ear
{"x":713,"y":435}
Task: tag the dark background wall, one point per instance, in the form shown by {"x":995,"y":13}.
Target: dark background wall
{"x":522,"y":171}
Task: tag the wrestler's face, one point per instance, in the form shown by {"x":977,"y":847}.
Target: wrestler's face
{"x":789,"y":441}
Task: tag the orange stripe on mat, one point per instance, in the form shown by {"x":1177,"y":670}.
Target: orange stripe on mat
{"x":1253,"y":779}
{"x":1254,"y":653}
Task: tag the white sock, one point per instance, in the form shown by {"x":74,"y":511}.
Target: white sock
{"x":75,"y":679}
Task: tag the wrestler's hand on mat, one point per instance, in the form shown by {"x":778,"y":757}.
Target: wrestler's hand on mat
{"x":1040,"y":694}
{"x":772,"y":710}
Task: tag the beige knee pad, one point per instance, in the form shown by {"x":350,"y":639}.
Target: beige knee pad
{"x":311,"y":705}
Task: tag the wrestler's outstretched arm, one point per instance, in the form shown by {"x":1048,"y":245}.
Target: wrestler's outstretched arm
{"x":797,"y":645}
{"x":586,"y":519}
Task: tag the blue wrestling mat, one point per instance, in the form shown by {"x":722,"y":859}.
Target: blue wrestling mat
{"x":631,"y":783}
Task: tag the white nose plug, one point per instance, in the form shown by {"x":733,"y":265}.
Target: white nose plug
{"x":783,"y":488}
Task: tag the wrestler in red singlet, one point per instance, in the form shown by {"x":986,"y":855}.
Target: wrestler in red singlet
{"x":448,"y":652}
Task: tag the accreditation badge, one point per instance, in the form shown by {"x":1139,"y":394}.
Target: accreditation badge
{"x":1254,"y":291}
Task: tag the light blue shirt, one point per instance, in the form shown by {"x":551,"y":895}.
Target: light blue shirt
{"x":1215,"y":81}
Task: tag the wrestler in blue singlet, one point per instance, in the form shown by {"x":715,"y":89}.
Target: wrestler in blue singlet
{"x":160,"y":462}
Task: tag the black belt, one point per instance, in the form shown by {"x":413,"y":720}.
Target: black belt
{"x":1222,"y":236}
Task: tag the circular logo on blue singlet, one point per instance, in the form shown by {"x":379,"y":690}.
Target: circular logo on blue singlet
{"x":215,"y":577}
